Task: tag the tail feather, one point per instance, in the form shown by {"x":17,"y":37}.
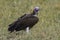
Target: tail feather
{"x":11,"y":27}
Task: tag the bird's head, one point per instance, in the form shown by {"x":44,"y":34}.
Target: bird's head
{"x":35,"y":11}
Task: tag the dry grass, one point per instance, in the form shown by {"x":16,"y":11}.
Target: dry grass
{"x":48,"y":27}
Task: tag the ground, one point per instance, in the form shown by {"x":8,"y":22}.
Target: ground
{"x":48,"y":27}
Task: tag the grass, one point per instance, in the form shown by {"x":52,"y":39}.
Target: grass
{"x":48,"y":27}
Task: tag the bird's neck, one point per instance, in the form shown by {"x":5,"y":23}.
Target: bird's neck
{"x":34,"y":13}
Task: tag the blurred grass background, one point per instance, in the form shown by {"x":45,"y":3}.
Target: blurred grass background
{"x":48,"y":27}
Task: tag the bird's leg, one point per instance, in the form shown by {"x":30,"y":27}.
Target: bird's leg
{"x":27,"y":29}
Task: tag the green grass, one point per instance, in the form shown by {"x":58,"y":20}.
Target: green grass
{"x":48,"y":27}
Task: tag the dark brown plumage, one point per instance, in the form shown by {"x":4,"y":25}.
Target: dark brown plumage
{"x":27,"y":20}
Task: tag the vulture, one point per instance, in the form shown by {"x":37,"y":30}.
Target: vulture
{"x":25,"y":22}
